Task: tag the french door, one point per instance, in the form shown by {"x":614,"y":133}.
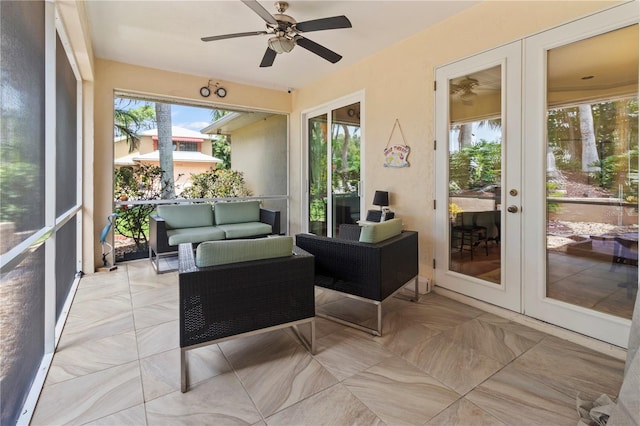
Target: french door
{"x":537,"y":170}
{"x":334,"y":139}
{"x":478,"y":179}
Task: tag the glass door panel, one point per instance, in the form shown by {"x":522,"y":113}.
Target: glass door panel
{"x":475,"y":174}
{"x":318,"y":174}
{"x":592,"y":173}
{"x":345,"y":165}
{"x":478,"y":158}
{"x":581,"y":174}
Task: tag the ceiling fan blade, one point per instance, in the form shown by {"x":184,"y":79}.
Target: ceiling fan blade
{"x":268,"y":58}
{"x":225,"y":36}
{"x":332,"y":23}
{"x":319,"y":50}
{"x":261,"y":11}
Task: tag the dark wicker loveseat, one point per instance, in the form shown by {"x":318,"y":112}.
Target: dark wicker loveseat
{"x":227,"y":301}
{"x":367,"y":271}
{"x":195,"y":223}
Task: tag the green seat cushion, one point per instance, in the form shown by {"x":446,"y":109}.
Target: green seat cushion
{"x":194,"y":235}
{"x":237,"y":212}
{"x":243,"y":230}
{"x":211,"y":253}
{"x":376,"y":232}
{"x":186,"y":216}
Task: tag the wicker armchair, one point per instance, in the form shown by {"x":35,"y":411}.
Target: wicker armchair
{"x":371,"y":272}
{"x":223,"y":302}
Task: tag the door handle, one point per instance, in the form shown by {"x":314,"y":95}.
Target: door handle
{"x":512,"y":209}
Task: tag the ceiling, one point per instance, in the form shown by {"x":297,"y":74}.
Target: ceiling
{"x":166,"y":35}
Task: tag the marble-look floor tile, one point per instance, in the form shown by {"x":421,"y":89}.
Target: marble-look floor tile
{"x":158,"y":338}
{"x":399,"y":393}
{"x":450,"y":305}
{"x":276,"y":370}
{"x":572,"y":369}
{"x":401,"y":333}
{"x":168,"y":294}
{"x":161,"y":372}
{"x":155,"y":314}
{"x":346,"y":353}
{"x":134,"y":416}
{"x":99,"y":290}
{"x":152,"y":281}
{"x":101,"y":322}
{"x":97,"y":309}
{"x":220,"y":400}
{"x":454,"y":363}
{"x":491,"y":340}
{"x":331,"y":407}
{"x":464,"y":413}
{"x":91,"y":356}
{"x":518,"y":399}
{"x":90,"y":397}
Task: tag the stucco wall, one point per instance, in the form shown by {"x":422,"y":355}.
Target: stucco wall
{"x":398,"y":83}
{"x":260,"y":150}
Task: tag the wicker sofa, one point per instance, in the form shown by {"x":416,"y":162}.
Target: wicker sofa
{"x":368,"y":263}
{"x":172,"y":225}
{"x":230,"y":289}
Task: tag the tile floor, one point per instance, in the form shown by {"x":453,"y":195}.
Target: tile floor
{"x":439,"y":362}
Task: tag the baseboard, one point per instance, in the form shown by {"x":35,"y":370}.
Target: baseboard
{"x":562,"y":333}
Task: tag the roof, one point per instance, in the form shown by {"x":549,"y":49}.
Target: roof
{"x":154,"y":156}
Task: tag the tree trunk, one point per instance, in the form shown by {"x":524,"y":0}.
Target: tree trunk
{"x":165,"y":150}
{"x":589,"y":148}
{"x":465,"y":138}
{"x":345,"y":157}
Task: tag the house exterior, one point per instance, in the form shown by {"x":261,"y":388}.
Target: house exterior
{"x":395,"y":82}
{"x":191,"y":155}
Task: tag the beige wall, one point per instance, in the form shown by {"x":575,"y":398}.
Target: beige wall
{"x":259,"y":151}
{"x":398,"y":83}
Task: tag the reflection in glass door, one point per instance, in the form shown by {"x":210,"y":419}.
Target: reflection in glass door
{"x":334,"y":140}
{"x":592,"y":174}
{"x":478,"y":157}
{"x":475,"y":171}
{"x":581,"y":122}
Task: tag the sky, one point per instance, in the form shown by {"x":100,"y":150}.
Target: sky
{"x":190,"y":117}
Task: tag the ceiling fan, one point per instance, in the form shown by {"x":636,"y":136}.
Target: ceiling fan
{"x":464,"y":89}
{"x":286,"y":32}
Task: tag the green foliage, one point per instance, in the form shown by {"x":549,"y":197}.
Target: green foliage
{"x":128,"y":120}
{"x":619,"y":172}
{"x":552,"y":191}
{"x":140,"y":183}
{"x":476,"y":165}
{"x":217,"y":183}
{"x":222,"y":149}
{"x":18,"y":184}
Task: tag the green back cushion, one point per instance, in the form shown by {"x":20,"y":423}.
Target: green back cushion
{"x":237,"y":212}
{"x":186,"y":216}
{"x":211,"y":253}
{"x":374,"y":233}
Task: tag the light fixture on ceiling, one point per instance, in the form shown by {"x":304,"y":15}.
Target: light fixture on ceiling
{"x":281,"y":44}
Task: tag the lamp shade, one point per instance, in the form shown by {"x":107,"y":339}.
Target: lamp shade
{"x":381,"y":198}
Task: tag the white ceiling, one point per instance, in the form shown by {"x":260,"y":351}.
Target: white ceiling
{"x":166,"y":35}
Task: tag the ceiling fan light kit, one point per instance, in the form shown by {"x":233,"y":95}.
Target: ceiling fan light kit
{"x":286,"y":31}
{"x":281,"y":44}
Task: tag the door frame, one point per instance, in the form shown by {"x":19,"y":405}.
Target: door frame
{"x":506,"y":294}
{"x":326,"y":108}
{"x":605,"y":327}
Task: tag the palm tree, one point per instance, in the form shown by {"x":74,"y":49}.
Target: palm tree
{"x":123,"y":122}
{"x":165,"y":149}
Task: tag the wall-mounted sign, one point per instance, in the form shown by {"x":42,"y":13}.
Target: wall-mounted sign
{"x":396,"y":155}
